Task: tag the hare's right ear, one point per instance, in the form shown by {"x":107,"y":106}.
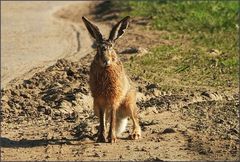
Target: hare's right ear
{"x":118,"y":30}
{"x":93,"y":30}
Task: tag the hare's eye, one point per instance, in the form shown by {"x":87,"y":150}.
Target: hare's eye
{"x":103,"y":48}
{"x":111,"y":46}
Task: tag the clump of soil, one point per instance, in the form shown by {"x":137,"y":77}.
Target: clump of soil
{"x":55,"y":92}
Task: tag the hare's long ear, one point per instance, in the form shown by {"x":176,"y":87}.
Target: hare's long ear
{"x":93,"y":30}
{"x":118,"y":30}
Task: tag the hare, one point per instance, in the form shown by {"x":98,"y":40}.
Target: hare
{"x":114,"y":96}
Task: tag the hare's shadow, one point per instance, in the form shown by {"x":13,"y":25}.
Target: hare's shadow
{"x":25,"y":143}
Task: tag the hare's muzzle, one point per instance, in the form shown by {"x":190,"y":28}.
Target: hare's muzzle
{"x":107,"y":63}
{"x":107,"y":58}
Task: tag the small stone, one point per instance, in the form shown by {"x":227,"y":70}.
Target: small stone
{"x":129,"y":50}
{"x":168,"y":130}
{"x":154,"y":131}
{"x":25,"y":95}
{"x":47,"y":110}
{"x":41,"y":108}
{"x":153,"y":138}
{"x":15,"y":92}
{"x":97,"y":144}
{"x":211,"y":96}
{"x":156,"y":159}
{"x":214,"y":52}
{"x":142,"y":52}
{"x":233,"y":130}
{"x":156,"y":92}
{"x":57,"y":113}
{"x":97,"y":155}
{"x":5,"y":98}
{"x":86,"y":139}
{"x":151,"y":86}
{"x":70,"y":72}
{"x":144,"y":149}
{"x":181,"y":127}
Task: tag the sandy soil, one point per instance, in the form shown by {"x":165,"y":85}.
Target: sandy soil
{"x":49,"y":116}
{"x":33,"y":37}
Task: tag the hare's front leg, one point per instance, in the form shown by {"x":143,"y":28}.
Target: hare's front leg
{"x":112,"y":129}
{"x":102,"y":128}
{"x":136,"y":134}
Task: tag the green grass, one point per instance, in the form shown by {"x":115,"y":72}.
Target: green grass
{"x":208,"y":25}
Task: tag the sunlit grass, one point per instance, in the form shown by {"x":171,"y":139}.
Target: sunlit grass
{"x":208,"y":25}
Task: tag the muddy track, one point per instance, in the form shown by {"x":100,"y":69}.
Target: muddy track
{"x":49,"y":116}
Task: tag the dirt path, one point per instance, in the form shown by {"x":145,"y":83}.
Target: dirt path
{"x":28,"y":32}
{"x":49,"y":115}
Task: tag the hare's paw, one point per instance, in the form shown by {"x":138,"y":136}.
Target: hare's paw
{"x":112,"y":139}
{"x":101,"y":138}
{"x":135,"y":135}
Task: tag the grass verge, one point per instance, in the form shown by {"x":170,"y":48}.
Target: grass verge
{"x":206,"y":58}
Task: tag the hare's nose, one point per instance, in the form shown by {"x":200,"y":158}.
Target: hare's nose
{"x":107,"y":63}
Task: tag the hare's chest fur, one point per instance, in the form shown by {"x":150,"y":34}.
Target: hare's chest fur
{"x":108,"y":84}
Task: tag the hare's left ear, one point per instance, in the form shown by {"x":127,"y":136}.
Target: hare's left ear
{"x":93,"y":30}
{"x":118,"y":30}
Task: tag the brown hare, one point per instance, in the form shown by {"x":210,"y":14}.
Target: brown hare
{"x":114,"y":96}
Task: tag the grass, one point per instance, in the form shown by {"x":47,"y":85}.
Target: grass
{"x":209,"y":55}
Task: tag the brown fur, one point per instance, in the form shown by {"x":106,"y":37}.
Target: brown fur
{"x":111,"y":89}
{"x":106,"y":83}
